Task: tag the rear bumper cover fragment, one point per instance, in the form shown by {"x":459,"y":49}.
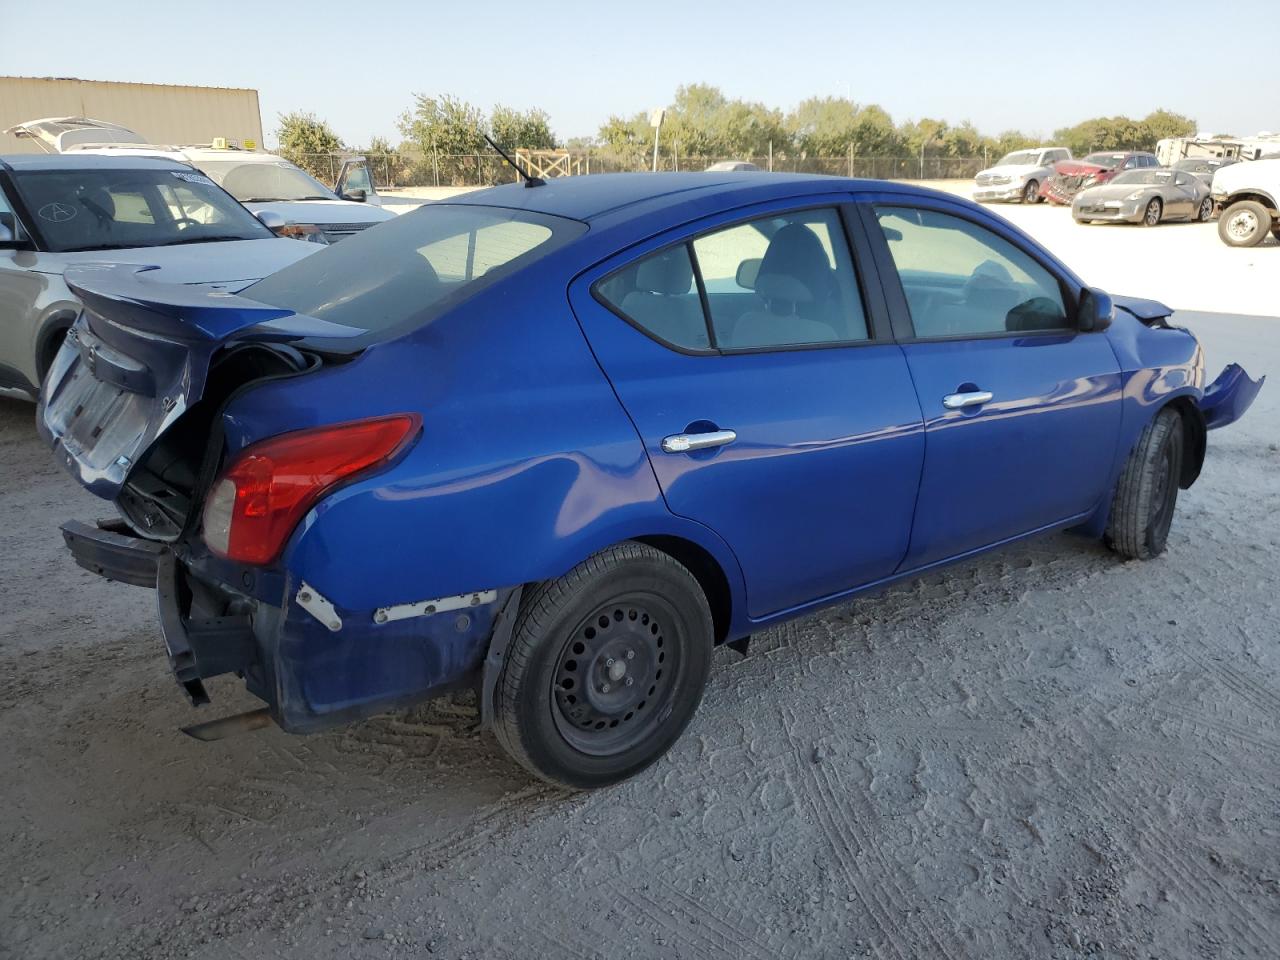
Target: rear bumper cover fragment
{"x":110,"y":550}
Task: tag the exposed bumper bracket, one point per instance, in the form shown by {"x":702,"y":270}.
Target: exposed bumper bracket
{"x":424,"y":608}
{"x":199,"y":648}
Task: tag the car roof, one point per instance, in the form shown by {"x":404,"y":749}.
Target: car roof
{"x":85,"y":161}
{"x":595,"y":197}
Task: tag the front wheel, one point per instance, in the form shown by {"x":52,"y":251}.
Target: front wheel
{"x":1244,"y":224}
{"x":1142,"y":508}
{"x":1031,"y":192}
{"x":1154,"y":211}
{"x":1205,"y":213}
{"x":605,"y":668}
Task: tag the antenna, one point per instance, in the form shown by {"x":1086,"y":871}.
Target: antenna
{"x":529,"y":179}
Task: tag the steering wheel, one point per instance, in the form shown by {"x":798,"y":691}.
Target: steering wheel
{"x":179,"y":221}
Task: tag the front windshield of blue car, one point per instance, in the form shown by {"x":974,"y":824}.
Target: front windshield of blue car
{"x":405,"y":271}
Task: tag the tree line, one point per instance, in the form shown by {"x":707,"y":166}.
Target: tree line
{"x":442,"y":137}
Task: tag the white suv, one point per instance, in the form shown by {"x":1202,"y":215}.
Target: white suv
{"x":298,"y":205}
{"x":1018,"y":175}
{"x":1247,"y":196}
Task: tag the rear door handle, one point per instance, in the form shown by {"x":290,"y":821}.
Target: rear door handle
{"x":685,"y":442}
{"x":973,"y":398}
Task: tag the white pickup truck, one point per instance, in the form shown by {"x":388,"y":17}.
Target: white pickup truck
{"x":1018,"y":175}
{"x":1247,"y":197}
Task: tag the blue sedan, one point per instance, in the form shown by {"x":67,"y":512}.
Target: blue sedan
{"x":556,"y":442}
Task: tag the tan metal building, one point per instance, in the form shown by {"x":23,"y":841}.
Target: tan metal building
{"x":161,"y":112}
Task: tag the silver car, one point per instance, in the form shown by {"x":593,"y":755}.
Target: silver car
{"x":62,"y":213}
{"x":1149,"y":197}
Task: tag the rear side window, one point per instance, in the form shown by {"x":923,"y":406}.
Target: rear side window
{"x":773,"y":282}
{"x":405,"y":272}
{"x":961,"y":279}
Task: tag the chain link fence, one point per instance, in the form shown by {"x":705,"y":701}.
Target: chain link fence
{"x":410,"y":168}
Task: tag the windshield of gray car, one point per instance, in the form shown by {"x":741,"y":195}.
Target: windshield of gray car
{"x":103,"y":209}
{"x":406,"y":271}
{"x":1148,"y":177}
{"x":265,"y":180}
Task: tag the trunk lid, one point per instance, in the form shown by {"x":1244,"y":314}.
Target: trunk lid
{"x":137,"y":359}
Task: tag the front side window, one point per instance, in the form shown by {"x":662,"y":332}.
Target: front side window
{"x":777,"y":281}
{"x":961,"y":279}
{"x":112,"y":209}
{"x":9,"y":220}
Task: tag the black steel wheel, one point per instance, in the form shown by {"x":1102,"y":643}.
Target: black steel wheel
{"x":614,"y":680}
{"x":605,"y":668}
{"x":1147,"y":492}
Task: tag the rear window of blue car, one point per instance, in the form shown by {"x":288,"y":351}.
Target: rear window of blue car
{"x":403,"y":272}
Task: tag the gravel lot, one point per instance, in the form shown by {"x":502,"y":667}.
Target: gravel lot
{"x":1044,"y":753}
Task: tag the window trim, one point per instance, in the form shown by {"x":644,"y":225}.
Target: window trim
{"x":900,"y":309}
{"x":876,"y":315}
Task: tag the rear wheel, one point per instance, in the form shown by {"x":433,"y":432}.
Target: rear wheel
{"x":1145,"y":497}
{"x":1154,"y":211}
{"x":1205,"y":213}
{"x":605,"y":668}
{"x":1031,"y":192}
{"x":1244,"y":224}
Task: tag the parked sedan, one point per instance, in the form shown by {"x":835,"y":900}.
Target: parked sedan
{"x":558,"y":441}
{"x":1148,"y":197}
{"x":60,"y":212}
{"x":1204,"y":167}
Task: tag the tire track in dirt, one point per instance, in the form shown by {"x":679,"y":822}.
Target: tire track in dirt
{"x":825,"y":809}
{"x":1170,"y":865}
{"x":633,"y":901}
{"x":700,"y":913}
{"x":1242,"y":685}
{"x":891,"y":873}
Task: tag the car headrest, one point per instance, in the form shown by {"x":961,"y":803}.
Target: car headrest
{"x":795,"y":266}
{"x":669,"y":273}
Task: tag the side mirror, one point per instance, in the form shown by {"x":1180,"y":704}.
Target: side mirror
{"x":270,"y":219}
{"x":356,"y":194}
{"x":748,"y":270}
{"x":1096,"y":310}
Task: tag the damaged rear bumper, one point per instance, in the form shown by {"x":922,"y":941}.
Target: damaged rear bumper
{"x":1229,"y":396}
{"x":312,"y":672}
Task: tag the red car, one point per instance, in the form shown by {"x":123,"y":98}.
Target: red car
{"x":1071,"y":176}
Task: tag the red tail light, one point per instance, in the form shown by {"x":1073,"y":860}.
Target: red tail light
{"x":269,"y":487}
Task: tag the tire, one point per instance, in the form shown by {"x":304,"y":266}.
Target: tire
{"x":1244,"y":224}
{"x":1031,"y":192}
{"x":1145,"y":497}
{"x":1205,"y":213}
{"x":566,"y":707}
{"x":1151,"y":216}
{"x":1083,"y":222}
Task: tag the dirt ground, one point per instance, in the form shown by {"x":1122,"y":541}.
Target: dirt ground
{"x":1043,"y":753}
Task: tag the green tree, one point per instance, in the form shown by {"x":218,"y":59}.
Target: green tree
{"x":528,"y":129}
{"x":1164,"y":124}
{"x":447,"y":133}
{"x":308,"y":142}
{"x":823,"y":126}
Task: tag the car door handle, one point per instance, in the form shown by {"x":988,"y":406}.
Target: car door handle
{"x":973,"y":398}
{"x":685,"y":442}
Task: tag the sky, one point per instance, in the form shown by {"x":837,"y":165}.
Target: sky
{"x":358,"y":65}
